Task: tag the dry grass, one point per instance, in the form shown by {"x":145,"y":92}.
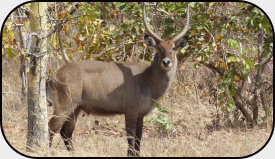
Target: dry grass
{"x":192,"y":134}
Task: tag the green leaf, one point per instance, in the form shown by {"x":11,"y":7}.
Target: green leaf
{"x":260,"y":25}
{"x":232,"y":91}
{"x":241,"y":52}
{"x":211,"y":4}
{"x":196,"y":66}
{"x":170,"y":30}
{"x":229,"y":108}
{"x":169,"y":126}
{"x":133,"y":37}
{"x":164,"y":111}
{"x":193,"y":32}
{"x":157,"y":105}
{"x":167,"y":21}
{"x":124,"y":27}
{"x":252,"y":22}
{"x":199,"y":58}
{"x":221,"y":96}
{"x":233,"y":43}
{"x":240,"y":4}
{"x":133,"y":30}
{"x":118,"y":4}
{"x":247,"y":66}
{"x":223,"y":86}
{"x":201,"y":38}
{"x":244,"y":72}
{"x":222,"y":109}
{"x":232,"y":59}
{"x":208,"y":53}
{"x":227,"y":80}
{"x":10,"y":53}
{"x":250,"y":62}
{"x":231,"y":104}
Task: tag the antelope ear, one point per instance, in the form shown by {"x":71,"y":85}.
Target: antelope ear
{"x":181,"y":42}
{"x":150,"y":41}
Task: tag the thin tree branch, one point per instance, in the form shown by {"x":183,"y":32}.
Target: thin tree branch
{"x":163,"y":11}
{"x":70,"y":11}
{"x":210,"y":34}
{"x":61,"y":46}
{"x":58,"y":27}
{"x":266,"y":60}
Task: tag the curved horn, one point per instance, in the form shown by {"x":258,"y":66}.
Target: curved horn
{"x":157,"y":38}
{"x":184,"y":30}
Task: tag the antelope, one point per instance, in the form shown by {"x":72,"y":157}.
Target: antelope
{"x":106,"y":88}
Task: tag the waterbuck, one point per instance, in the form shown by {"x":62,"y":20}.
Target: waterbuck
{"x":105,"y":88}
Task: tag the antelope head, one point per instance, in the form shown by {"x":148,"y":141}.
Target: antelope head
{"x":166,"y":49}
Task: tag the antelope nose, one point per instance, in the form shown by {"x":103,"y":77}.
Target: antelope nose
{"x":166,"y":62}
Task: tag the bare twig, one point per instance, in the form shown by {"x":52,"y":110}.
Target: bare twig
{"x":133,"y":50}
{"x":163,"y":11}
{"x":241,"y":46}
{"x":195,"y":85}
{"x":144,"y":52}
{"x":62,"y":47}
{"x":210,"y":34}
{"x":124,"y":53}
{"x":203,"y":49}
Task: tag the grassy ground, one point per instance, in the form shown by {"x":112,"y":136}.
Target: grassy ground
{"x":193,"y":132}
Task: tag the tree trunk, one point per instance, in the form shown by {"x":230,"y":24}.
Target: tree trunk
{"x":37,"y":106}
